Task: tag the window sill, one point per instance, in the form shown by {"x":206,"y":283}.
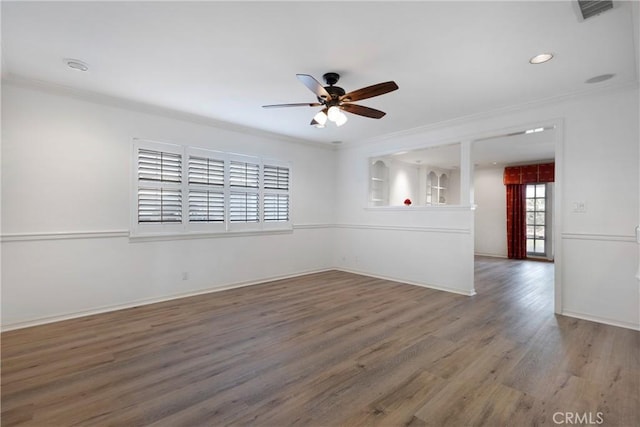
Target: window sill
{"x":156,"y":237}
{"x":437,"y":208}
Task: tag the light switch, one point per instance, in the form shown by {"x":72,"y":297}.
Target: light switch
{"x":579,"y":207}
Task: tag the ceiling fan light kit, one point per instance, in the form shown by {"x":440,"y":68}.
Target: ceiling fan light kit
{"x":335,"y":115}
{"x":319,"y":120}
{"x":335,"y":100}
{"x":340,"y":119}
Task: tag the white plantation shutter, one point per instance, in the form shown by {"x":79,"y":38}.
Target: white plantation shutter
{"x":244,"y":174}
{"x":159,"y":205}
{"x":206,"y":189}
{"x":244,"y":187}
{"x":244,"y":207}
{"x":276,"y":178}
{"x":276,"y":193}
{"x":206,"y":171}
{"x":159,"y":197}
{"x":206,"y":206}
{"x":276,"y":207}
{"x":187,"y":190}
{"x":159,"y":166}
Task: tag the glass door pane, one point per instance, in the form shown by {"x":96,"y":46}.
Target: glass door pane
{"x":535,"y":216}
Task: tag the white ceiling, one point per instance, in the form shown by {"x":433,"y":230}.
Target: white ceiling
{"x":224,"y":60}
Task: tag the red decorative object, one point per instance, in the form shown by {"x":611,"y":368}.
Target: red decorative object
{"x":407,"y":202}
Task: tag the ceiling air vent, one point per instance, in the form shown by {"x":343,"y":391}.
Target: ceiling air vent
{"x":591,"y":8}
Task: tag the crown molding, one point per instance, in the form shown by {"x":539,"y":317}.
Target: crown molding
{"x":156,"y":110}
{"x":119,"y":102}
{"x":485,"y":115}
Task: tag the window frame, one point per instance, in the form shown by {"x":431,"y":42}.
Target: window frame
{"x":188,"y":228}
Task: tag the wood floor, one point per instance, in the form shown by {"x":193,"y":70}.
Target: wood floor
{"x":329,"y":349}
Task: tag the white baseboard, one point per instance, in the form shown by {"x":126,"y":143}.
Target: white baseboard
{"x":597,"y":319}
{"x":491,"y":255}
{"x":408,"y":282}
{"x":147,"y":301}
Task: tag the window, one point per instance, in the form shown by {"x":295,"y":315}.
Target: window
{"x":206,"y":198}
{"x":276,"y":193}
{"x":536,"y":219}
{"x":244,"y":180}
{"x":189,"y":190}
{"x":159,"y":195}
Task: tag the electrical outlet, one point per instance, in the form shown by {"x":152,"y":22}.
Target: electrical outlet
{"x":185,"y":275}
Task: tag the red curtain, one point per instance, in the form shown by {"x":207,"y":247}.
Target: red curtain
{"x":529,"y":174}
{"x":516,"y":221}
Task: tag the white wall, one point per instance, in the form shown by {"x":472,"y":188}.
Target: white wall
{"x":65,"y":169}
{"x":490,"y":213}
{"x":65,"y":211}
{"x":429,"y":246}
{"x":403,"y":182}
{"x":597,"y":163}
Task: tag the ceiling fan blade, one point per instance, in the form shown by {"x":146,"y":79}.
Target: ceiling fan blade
{"x":363,"y":111}
{"x":300,"y":104}
{"x":370,"y":91}
{"x":314,"y":86}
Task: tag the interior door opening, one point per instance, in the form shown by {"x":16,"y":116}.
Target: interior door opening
{"x":519,"y":147}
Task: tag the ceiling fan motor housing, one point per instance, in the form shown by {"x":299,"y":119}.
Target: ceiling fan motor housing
{"x":331,"y":78}
{"x":335,"y":91}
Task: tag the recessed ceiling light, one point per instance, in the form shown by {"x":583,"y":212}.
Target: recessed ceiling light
{"x":336,"y":142}
{"x":76,"y":64}
{"x":542,"y":58}
{"x":600,"y":78}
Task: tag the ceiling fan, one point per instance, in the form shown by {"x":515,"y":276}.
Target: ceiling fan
{"x":334,"y":99}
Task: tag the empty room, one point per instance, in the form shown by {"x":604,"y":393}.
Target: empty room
{"x":309,"y":213}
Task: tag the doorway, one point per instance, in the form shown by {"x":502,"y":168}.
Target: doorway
{"x":526,"y":145}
